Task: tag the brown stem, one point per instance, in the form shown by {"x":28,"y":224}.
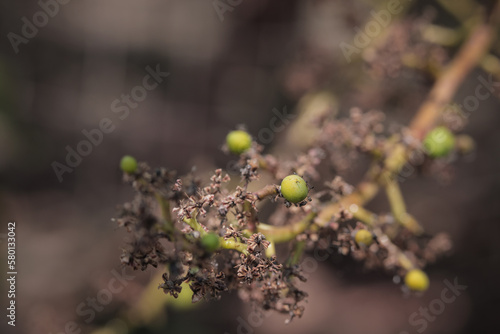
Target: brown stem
{"x":365,"y":191}
{"x":444,"y":89}
{"x":268,"y":190}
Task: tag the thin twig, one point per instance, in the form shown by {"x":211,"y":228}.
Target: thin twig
{"x":398,"y":207}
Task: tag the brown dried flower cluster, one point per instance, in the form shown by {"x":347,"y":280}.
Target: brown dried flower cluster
{"x":406,"y":46}
{"x":171,"y":218}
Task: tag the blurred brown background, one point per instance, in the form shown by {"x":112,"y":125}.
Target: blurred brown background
{"x":263,"y":55}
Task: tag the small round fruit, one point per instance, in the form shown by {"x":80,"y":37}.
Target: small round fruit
{"x":363,"y":238}
{"x":183,"y":301}
{"x":210,"y":242}
{"x":238,"y":141}
{"x":439,"y":142}
{"x":417,"y":280}
{"x":294,"y":189}
{"x":128,"y":164}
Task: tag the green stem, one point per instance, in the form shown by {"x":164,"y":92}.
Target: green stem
{"x":395,"y":198}
{"x":195,"y":225}
{"x":398,"y":207}
{"x":297,"y":253}
{"x":402,"y":260}
{"x":231,"y":244}
{"x":280,"y":234}
{"x":271,"y":250}
{"x":165,"y":212}
{"x":365,"y":191}
{"x":362,"y":214}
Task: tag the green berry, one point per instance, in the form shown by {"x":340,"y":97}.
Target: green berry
{"x":294,"y":189}
{"x":363,"y":237}
{"x":439,"y":142}
{"x":417,"y":280}
{"x":210,"y":242}
{"x":128,"y":164}
{"x":238,"y":141}
{"x":183,"y":301}
{"x":194,"y":270}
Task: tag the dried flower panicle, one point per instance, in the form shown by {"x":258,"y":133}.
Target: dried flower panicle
{"x":212,"y":240}
{"x":405,"y":47}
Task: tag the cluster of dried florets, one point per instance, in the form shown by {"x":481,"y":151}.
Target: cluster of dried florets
{"x":407,"y":46}
{"x":211,"y":238}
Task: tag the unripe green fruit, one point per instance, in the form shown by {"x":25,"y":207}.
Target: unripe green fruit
{"x":210,"y":242}
{"x":128,"y":164}
{"x":238,"y":141}
{"x":183,"y":301}
{"x":294,"y":189}
{"x":363,"y":237}
{"x":439,"y":142}
{"x":417,"y":280}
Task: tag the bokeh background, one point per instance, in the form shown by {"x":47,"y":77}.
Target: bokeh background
{"x":263,"y":55}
